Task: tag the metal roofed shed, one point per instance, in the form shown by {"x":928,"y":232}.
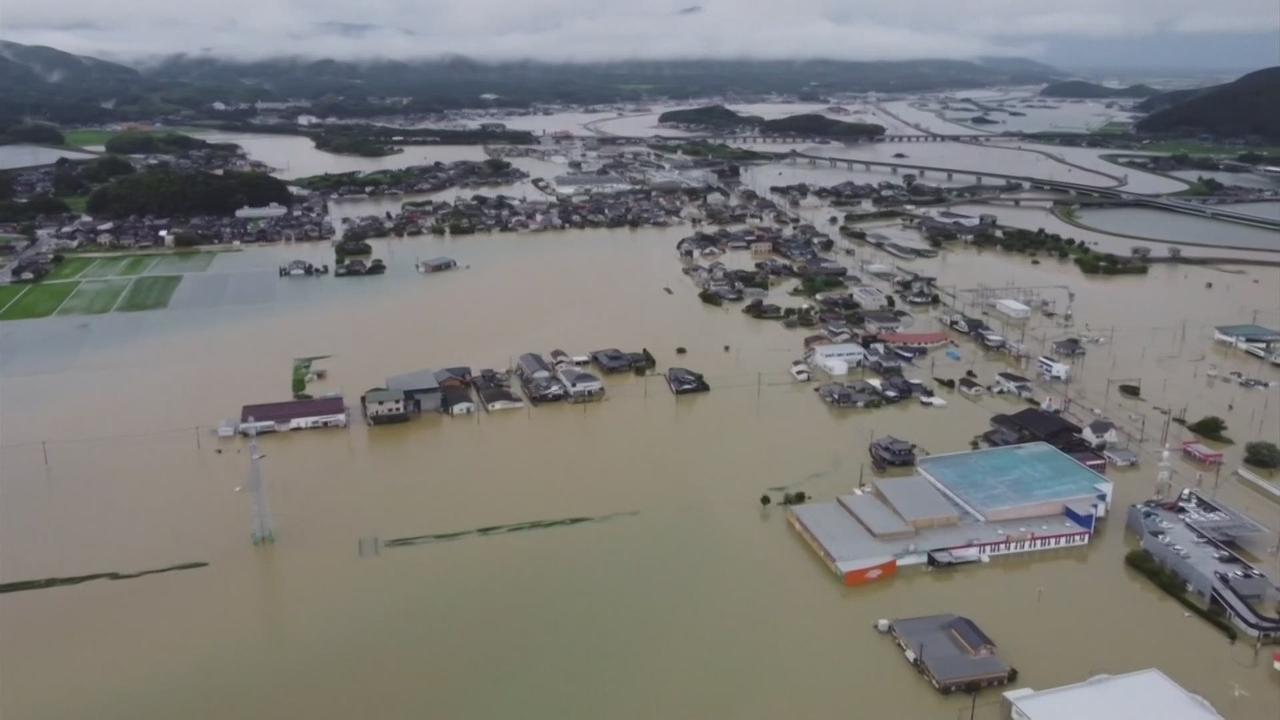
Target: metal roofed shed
{"x":918,"y":501}
{"x":1017,"y":481}
{"x":1141,"y":694}
{"x":874,"y":515}
{"x":842,"y":543}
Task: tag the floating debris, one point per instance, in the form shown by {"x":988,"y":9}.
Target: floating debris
{"x":502,"y":529}
{"x":45,"y":583}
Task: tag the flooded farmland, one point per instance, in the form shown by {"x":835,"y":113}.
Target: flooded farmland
{"x":676,"y":596}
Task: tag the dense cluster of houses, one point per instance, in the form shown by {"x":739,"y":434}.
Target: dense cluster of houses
{"x":305,"y":220}
{"x":458,"y":391}
{"x":634,"y":208}
{"x":423,"y":178}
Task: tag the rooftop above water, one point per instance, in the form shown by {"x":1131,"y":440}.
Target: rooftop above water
{"x":1007,"y":477}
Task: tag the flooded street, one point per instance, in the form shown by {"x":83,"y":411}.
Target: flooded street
{"x":680,"y":597}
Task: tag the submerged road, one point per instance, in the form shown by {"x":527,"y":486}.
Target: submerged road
{"x":1113,"y":193}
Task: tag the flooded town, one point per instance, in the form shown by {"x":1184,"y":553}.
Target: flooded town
{"x":643,"y":409}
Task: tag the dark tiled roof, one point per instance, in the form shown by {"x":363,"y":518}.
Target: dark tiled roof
{"x":292,"y":409}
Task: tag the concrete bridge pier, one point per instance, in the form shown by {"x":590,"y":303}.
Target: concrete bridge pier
{"x":949,"y":176}
{"x":894,"y":169}
{"x":978,"y":179}
{"x":923,"y":173}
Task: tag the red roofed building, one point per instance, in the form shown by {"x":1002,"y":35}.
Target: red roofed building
{"x":919,"y":339}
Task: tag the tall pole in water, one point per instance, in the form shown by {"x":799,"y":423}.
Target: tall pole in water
{"x":263,"y":531}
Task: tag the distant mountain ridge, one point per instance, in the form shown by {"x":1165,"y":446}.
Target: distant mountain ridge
{"x":1085,"y":89}
{"x":50,"y":84}
{"x":1246,"y":107}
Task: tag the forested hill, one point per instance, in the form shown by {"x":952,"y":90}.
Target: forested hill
{"x":1247,"y":107}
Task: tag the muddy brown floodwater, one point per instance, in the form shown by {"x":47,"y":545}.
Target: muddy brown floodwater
{"x":680,"y":598}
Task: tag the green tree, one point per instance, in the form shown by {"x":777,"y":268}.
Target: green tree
{"x":1262,"y":454}
{"x":39,"y":133}
{"x":185,"y":239}
{"x":1210,"y":426}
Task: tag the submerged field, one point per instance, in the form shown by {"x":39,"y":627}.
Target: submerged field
{"x":94,"y":297}
{"x":118,"y":266}
{"x":182,"y":263}
{"x":149,"y":293}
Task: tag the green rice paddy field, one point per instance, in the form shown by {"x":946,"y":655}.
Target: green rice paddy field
{"x":39,"y":300}
{"x":9,"y":292}
{"x":93,"y":286}
{"x":69,"y":268}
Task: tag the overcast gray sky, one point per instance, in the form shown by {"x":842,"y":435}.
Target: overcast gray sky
{"x":620,"y":29}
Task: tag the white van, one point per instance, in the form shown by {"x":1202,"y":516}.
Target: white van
{"x":1052,"y":369}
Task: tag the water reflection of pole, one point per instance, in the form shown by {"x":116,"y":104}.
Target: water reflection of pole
{"x":262,"y":524}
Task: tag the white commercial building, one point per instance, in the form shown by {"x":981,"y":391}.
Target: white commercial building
{"x":1141,"y":694}
{"x":837,"y":358}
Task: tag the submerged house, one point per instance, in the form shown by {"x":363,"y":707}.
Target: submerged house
{"x":456,"y":400}
{"x":613,"y":360}
{"x":952,"y":652}
{"x":1100,"y":433}
{"x":538,"y":379}
{"x":421,"y":390}
{"x":1007,"y":382}
{"x":383,"y":406}
{"x":495,"y":393}
{"x":580,"y":385}
{"x":438,"y":264}
{"x":1034,"y":425}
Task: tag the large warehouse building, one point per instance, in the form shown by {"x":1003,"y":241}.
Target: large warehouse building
{"x":962,"y":507}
